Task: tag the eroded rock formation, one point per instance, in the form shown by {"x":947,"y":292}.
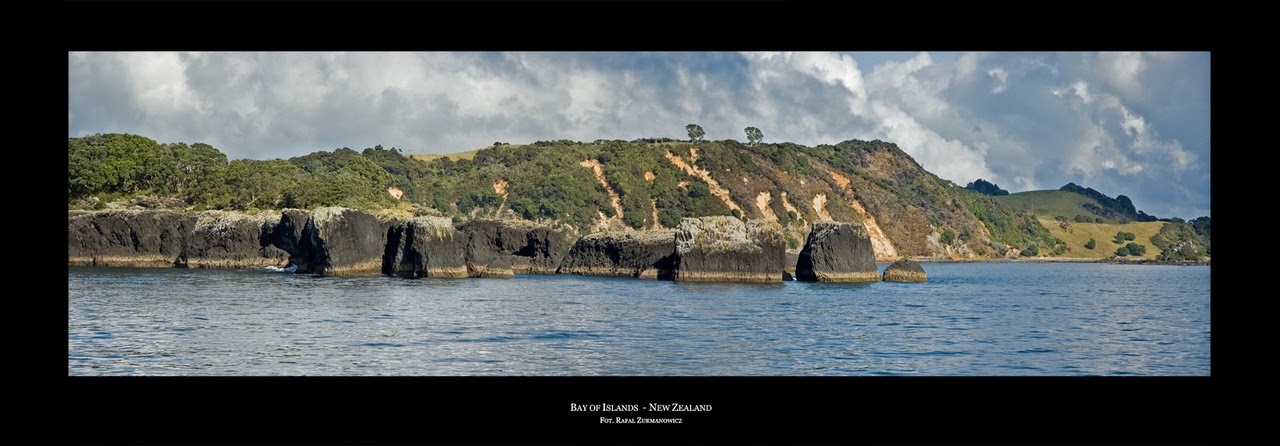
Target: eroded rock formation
{"x":424,"y":247}
{"x":644,"y":254}
{"x":725,"y":249}
{"x":128,"y":238}
{"x":904,"y":270}
{"x":501,"y":248}
{"x":837,"y":252}
{"x":233,"y":240}
{"x":342,"y":242}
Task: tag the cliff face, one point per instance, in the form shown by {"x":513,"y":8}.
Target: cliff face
{"x":724,"y":249}
{"x":286,"y":233}
{"x":789,"y":268}
{"x":501,"y":248}
{"x":128,"y":238}
{"x":342,"y":242}
{"x":233,"y":240}
{"x":424,"y":247}
{"x":644,"y":254}
{"x":837,"y":252}
{"x":326,"y":241}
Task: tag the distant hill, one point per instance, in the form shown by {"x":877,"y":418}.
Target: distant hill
{"x":1076,"y":214}
{"x":1120,"y":208}
{"x":1073,"y":201}
{"x":1052,"y":203}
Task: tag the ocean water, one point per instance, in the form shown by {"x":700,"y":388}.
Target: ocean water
{"x":970,"y":319}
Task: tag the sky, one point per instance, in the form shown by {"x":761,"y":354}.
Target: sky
{"x":1126,"y":123}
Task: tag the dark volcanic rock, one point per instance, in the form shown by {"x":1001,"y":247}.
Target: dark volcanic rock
{"x":424,"y":247}
{"x":286,"y":233}
{"x":724,"y":249}
{"x":233,"y":240}
{"x":644,"y":254}
{"x":904,"y":270}
{"x":501,"y":248}
{"x":342,"y":242}
{"x":789,"y":267}
{"x":493,"y":268}
{"x":837,"y":252}
{"x":128,"y":238}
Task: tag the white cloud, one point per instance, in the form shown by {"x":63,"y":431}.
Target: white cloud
{"x":965,"y":66}
{"x":1120,"y":122}
{"x":1081,"y":89}
{"x":1122,"y":70}
{"x":1000,"y":78}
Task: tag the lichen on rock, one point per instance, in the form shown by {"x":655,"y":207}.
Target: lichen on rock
{"x":342,"y":242}
{"x":424,"y":247}
{"x":725,"y":249}
{"x":225,"y":239}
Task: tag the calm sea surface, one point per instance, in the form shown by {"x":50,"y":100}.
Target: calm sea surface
{"x":969,"y":319}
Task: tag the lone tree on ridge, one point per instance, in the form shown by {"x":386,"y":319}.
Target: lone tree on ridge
{"x":695,"y":132}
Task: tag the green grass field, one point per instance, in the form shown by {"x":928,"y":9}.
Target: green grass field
{"x":1102,"y":233}
{"x":428,"y":157}
{"x":1050,"y":203}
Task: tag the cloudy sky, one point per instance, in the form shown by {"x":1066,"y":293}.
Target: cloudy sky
{"x":1123,"y":123}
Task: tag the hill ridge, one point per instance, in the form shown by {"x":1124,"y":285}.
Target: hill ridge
{"x":602,"y":185}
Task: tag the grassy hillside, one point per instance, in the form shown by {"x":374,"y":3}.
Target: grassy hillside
{"x":428,"y":157}
{"x":590,"y":186}
{"x":1050,"y":204}
{"x":1077,"y":234}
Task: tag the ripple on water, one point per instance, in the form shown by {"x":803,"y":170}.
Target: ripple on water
{"x":971,"y":319}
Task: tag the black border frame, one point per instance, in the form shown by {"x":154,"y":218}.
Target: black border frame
{"x":534,"y":410}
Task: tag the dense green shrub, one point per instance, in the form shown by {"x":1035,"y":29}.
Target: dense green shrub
{"x":948,"y":236}
{"x":985,"y":187}
{"x":1123,"y":236}
{"x":131,"y":164}
{"x":1136,"y":249}
{"x":699,"y":190}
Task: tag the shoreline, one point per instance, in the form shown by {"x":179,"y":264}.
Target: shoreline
{"x":1111,"y":260}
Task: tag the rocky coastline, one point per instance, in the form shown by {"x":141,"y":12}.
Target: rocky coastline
{"x":642,"y":254}
{"x":335,"y":241}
